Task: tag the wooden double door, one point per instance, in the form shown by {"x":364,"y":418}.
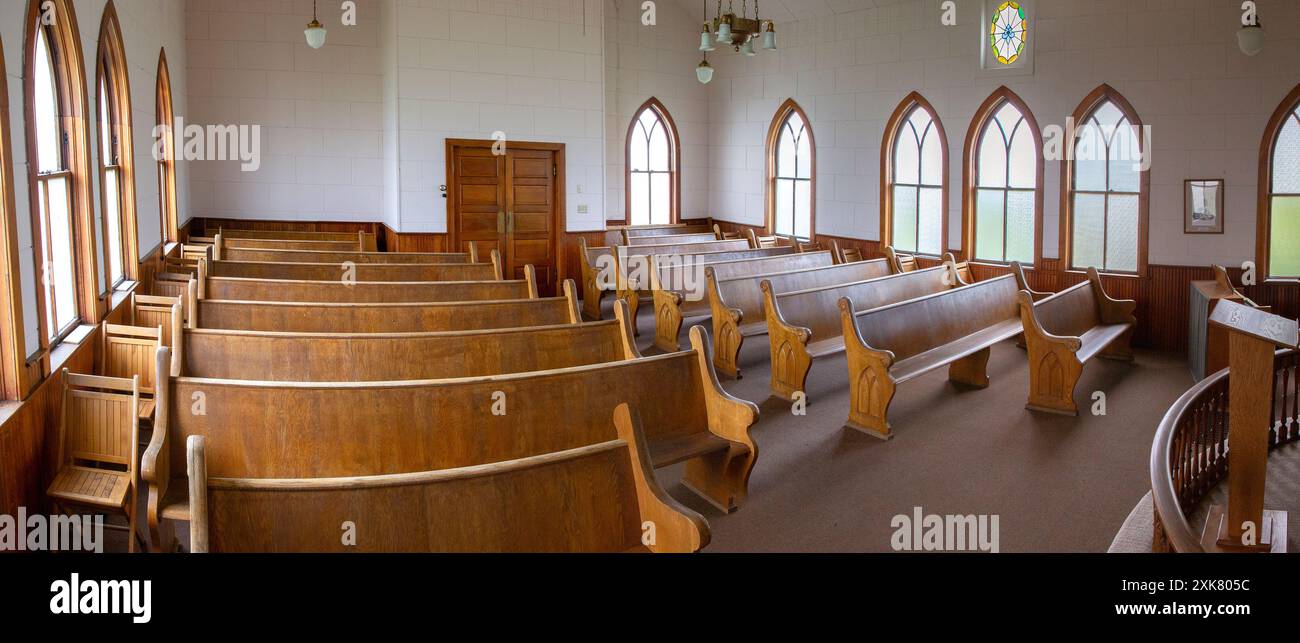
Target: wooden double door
{"x":511,"y":202}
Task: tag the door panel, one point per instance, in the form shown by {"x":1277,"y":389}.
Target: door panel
{"x":508,"y":203}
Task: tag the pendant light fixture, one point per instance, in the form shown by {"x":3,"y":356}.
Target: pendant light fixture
{"x":315,"y":32}
{"x":744,"y":33}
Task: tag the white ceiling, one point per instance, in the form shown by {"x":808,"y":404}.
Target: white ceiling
{"x":787,"y":10}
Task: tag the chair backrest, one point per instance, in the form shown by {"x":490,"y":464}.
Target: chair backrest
{"x":99,"y":422}
{"x":129,"y":352}
{"x":151,"y":311}
{"x":900,"y":262}
{"x":913,"y":326}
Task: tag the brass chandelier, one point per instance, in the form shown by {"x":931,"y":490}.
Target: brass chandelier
{"x":739,"y":31}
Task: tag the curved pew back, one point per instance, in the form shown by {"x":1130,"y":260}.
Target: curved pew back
{"x":912,"y":327}
{"x":358,"y":271}
{"x":368,"y":357}
{"x":670,"y":239}
{"x":335,"y":257}
{"x":1070,"y":312}
{"x":280,"y":244}
{"x":308,"y":317}
{"x":287,"y":290}
{"x":365,"y":239}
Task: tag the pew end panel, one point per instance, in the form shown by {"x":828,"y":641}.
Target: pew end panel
{"x":677,"y":529}
{"x":155,"y":462}
{"x":871,"y":386}
{"x":530,"y":278}
{"x":496,"y":265}
{"x":592,"y":288}
{"x":1022,"y":282}
{"x":626,"y":324}
{"x":788,"y":345}
{"x":571,"y":298}
{"x":196,"y":469}
{"x":722,"y":477}
{"x":900,"y":262}
{"x":667,"y":310}
{"x":726,"y":328}
{"x":959,"y":268}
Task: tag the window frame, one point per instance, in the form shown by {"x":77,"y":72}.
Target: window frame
{"x":674,"y":162}
{"x":983,"y":118}
{"x":1267,"y":154}
{"x":14,"y":374}
{"x":169,"y":225}
{"x":70,"y":87}
{"x":1082,"y":113}
{"x":112,"y":75}
{"x":779,"y":120}
{"x":893,"y":127}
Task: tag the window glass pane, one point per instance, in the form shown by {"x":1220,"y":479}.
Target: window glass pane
{"x":65,"y":309}
{"x":988,"y":225}
{"x":1088,"y":234}
{"x":930,"y":231}
{"x":1122,"y":233}
{"x":992,"y":158}
{"x":105,"y":133}
{"x":1009,"y":117}
{"x":45,"y":108}
{"x":920,"y":119}
{"x":1125,"y":161}
{"x":931,"y":159}
{"x":906,"y":157}
{"x":1020,"y":227}
{"x":1284,"y":237}
{"x":639,"y":185}
{"x":804,"y":160}
{"x":647,"y":118}
{"x":1090,"y":161}
{"x":1024,"y":159}
{"x":659,"y":198}
{"x":659,"y":153}
{"x":638,"y":152}
{"x":1286,"y":158}
{"x":803,"y":209}
{"x":1108,"y":116}
{"x":113,"y":216}
{"x":905,"y":219}
{"x":785,"y":153}
{"x":785,"y":206}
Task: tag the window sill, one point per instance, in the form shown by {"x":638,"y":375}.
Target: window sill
{"x":1129,"y":275}
{"x":994,"y":264}
{"x":1282,"y":281}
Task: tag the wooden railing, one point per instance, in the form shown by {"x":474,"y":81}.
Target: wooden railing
{"x":1190,"y":453}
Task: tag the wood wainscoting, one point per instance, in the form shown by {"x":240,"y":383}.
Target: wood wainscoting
{"x":1164,"y":289}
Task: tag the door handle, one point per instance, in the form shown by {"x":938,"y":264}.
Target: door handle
{"x":501,"y":222}
{"x":510,"y":222}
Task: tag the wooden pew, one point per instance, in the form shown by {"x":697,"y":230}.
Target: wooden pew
{"x":593,"y":498}
{"x":632,"y":265}
{"x":368,"y":357}
{"x":332,"y":429}
{"x":223,"y":244}
{"x":892,"y":344}
{"x":359,"y":271}
{"x":288,"y":290}
{"x":677,"y":283}
{"x":804,"y":325}
{"x":599,"y":268}
{"x":615,"y":235}
{"x":310,"y":256}
{"x":306,"y":317}
{"x":1064,"y":331}
{"x":736,"y":302}
{"x":670,"y":239}
{"x":365,"y":240}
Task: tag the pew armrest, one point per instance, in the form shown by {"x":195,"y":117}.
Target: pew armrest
{"x":1023,"y":283}
{"x":1110,"y":310}
{"x":856,"y":345}
{"x":1034,"y":331}
{"x":677,"y":529}
{"x":729,"y":416}
{"x":197,"y":469}
{"x":776,"y":323}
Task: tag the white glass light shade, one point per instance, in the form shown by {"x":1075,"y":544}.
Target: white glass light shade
{"x":704,"y":72}
{"x":748,"y":48}
{"x":315,"y":35}
{"x":769,"y":38}
{"x":706,"y":42}
{"x":724,"y":33}
{"x":1250,"y":39}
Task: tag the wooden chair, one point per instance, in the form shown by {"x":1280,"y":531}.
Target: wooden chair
{"x":595,"y":498}
{"x":152,"y":311}
{"x":678,"y":286}
{"x":98,"y":449}
{"x":845,"y":255}
{"x":717,"y":232}
{"x":768,"y":241}
{"x":893,"y":344}
{"x":1064,"y":331}
{"x":804,"y":325}
{"x":736,"y":299}
{"x":416,"y":317}
{"x":809,"y":246}
{"x":129,"y":352}
{"x":900,"y":262}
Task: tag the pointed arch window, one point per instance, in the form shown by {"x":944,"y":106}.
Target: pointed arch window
{"x":1003,"y":202}
{"x":652,"y":152}
{"x":792,"y":167}
{"x":1278,"y":230}
{"x":64,"y":240}
{"x":1104,"y":213}
{"x":116,"y":159}
{"x":914,"y":193}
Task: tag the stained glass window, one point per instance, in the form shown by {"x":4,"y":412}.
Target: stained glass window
{"x":651,"y":165}
{"x":1008,"y":32}
{"x":1284,"y":201}
{"x":917,"y":185}
{"x":1006,"y":186}
{"x":1106,"y":191}
{"x":793,"y":179}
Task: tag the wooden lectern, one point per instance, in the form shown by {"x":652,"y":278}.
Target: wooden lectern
{"x":1207,"y":346}
{"x":1253,"y":336}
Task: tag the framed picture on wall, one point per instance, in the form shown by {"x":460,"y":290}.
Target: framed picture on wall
{"x":1203,"y":206}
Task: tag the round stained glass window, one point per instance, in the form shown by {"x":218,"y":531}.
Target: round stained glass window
{"x":1008,"y":32}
